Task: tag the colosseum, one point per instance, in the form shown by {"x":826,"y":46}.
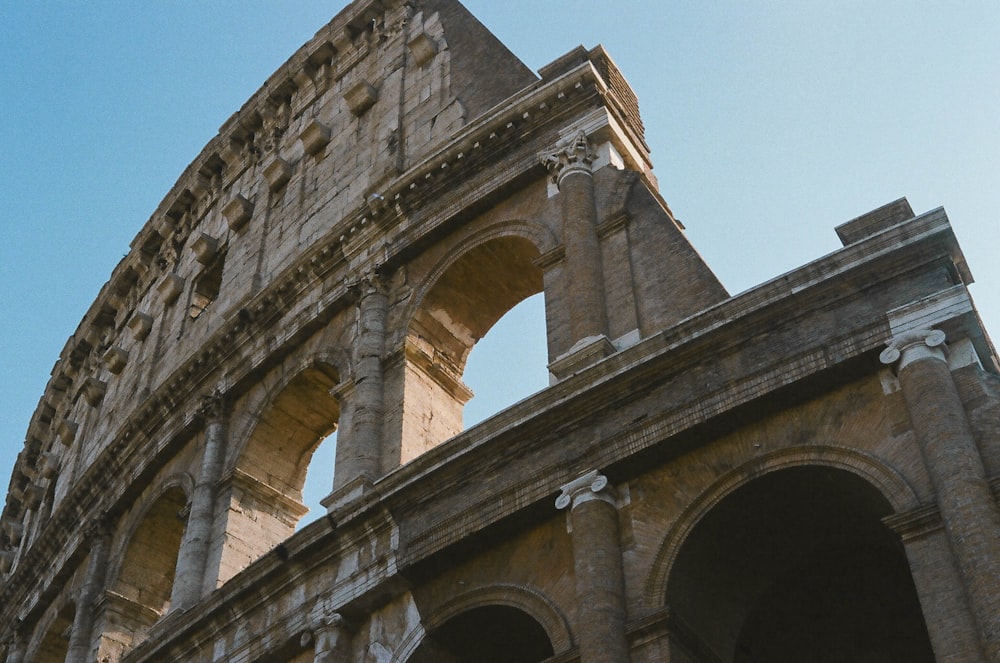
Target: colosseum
{"x":806,"y":471}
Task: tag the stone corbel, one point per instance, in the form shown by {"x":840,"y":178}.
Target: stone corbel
{"x":314,"y":137}
{"x":33,"y":496}
{"x":7,"y":561}
{"x":277,"y":173}
{"x":140,"y":324}
{"x":14,"y":530}
{"x":94,"y":390}
{"x":423,"y":47}
{"x":67,"y":431}
{"x":116,"y":357}
{"x":237,"y":212}
{"x":205,"y":248}
{"x":50,"y":465}
{"x":170,"y":288}
{"x":360,"y":97}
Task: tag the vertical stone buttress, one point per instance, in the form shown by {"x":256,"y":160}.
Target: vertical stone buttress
{"x":970,"y":513}
{"x":597,"y":561}
{"x":571,"y":166}
{"x":359,"y":455}
{"x":93,"y":587}
{"x":192,"y":559}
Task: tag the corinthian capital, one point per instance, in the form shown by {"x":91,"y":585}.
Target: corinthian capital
{"x":590,"y":486}
{"x":913,"y":345}
{"x":571,"y":156}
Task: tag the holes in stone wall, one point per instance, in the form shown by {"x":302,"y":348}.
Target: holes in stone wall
{"x":207,"y":285}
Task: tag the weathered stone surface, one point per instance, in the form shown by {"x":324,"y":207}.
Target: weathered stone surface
{"x":397,"y":186}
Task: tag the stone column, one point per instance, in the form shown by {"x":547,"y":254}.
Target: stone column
{"x":571,"y":168}
{"x":329,"y":638}
{"x":80,"y":639}
{"x":192,"y":559}
{"x":597,"y":561}
{"x":15,"y":651}
{"x":359,"y":453}
{"x":970,"y":513}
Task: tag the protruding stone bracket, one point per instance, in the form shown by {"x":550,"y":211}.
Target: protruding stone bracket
{"x":574,"y":155}
{"x":424,"y":48}
{"x":50,"y":465}
{"x":590,"y":486}
{"x":116,"y":358}
{"x":314,"y":137}
{"x":360,"y":97}
{"x":94,"y":390}
{"x":140,"y":324}
{"x":67,"y":431}
{"x":205,"y":248}
{"x":911,"y":346}
{"x":277,"y":173}
{"x":237,"y":212}
{"x":170,"y":288}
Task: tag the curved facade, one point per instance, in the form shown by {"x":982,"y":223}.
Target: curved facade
{"x":805,"y":471}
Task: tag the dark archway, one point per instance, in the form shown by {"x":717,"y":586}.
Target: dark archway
{"x":797,"y":565}
{"x":54,"y":646}
{"x":488,"y":634}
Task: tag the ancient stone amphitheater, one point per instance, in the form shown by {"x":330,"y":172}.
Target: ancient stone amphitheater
{"x":804,"y":472}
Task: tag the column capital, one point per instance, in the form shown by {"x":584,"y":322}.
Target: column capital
{"x":573,"y":155}
{"x":212,"y":407}
{"x":590,"y":486}
{"x":910,"y":346}
{"x":370,"y":283}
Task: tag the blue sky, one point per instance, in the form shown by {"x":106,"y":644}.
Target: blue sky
{"x":769,"y":122}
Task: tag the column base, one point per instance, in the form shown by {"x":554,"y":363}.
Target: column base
{"x":584,"y":353}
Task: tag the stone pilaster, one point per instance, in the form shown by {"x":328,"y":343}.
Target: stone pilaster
{"x":189,"y":579}
{"x":359,"y":451}
{"x":570,"y":166}
{"x":15,"y":651}
{"x":597,"y":561}
{"x":969,"y":512}
{"x":80,"y":640}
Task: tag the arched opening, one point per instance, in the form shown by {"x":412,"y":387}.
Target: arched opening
{"x":795,"y":566}
{"x":140,"y":594}
{"x":264,"y":494}
{"x":462,"y":305}
{"x":488,"y":634}
{"x":54,"y":646}
{"x":509,"y":363}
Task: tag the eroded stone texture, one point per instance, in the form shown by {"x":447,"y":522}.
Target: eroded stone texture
{"x":767,"y":488}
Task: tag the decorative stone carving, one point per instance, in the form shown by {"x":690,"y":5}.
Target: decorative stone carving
{"x":67,"y":431}
{"x":205,"y":248}
{"x":360,"y":97}
{"x":590,"y":486}
{"x":140,"y":324}
{"x":170,"y":288}
{"x":424,"y":48}
{"x":315,"y":137}
{"x":237,"y":212}
{"x":116,"y":357}
{"x":277,"y":173}
{"x":913,"y":345}
{"x":571,"y":156}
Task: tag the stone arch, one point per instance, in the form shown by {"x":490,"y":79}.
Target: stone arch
{"x":887,"y":481}
{"x":787,"y":558}
{"x":140,"y":592}
{"x":524,"y":600}
{"x":260,"y":502}
{"x":480,"y":278}
{"x":53,"y":643}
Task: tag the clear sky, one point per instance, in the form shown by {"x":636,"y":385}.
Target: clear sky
{"x":769,"y":122}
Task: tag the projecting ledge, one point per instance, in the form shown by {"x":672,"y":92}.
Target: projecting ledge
{"x":586,"y":352}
